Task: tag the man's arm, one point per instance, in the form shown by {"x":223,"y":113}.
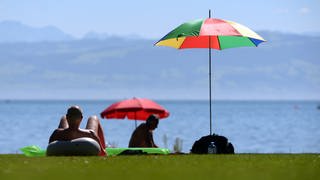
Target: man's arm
{"x":53,"y":136}
{"x":150,"y":141}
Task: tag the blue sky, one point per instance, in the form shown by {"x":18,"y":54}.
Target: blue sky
{"x":153,"y":19}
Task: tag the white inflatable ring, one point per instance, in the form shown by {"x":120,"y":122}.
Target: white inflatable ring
{"x":77,"y":147}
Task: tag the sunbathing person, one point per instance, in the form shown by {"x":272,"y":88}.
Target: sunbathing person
{"x":143,"y":134}
{"x":69,"y":128}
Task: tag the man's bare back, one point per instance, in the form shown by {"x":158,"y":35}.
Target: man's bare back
{"x":70,"y":134}
{"x":69,"y":128}
{"x":142,"y":135}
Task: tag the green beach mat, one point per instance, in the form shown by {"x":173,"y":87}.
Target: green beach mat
{"x":36,"y":151}
{"x":33,"y":151}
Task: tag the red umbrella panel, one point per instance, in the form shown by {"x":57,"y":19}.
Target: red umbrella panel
{"x":134,"y":109}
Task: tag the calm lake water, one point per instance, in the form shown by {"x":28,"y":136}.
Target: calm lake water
{"x":251,"y":126}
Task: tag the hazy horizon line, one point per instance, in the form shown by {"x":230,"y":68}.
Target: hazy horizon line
{"x":117,"y":99}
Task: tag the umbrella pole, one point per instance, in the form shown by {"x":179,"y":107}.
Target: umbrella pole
{"x":210,"y":79}
{"x":210,"y":96}
{"x":135,"y":119}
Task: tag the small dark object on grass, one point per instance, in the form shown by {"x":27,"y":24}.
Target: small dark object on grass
{"x":132,"y":152}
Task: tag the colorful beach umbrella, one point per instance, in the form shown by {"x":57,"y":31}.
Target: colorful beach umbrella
{"x":134,"y":109}
{"x":210,"y":33}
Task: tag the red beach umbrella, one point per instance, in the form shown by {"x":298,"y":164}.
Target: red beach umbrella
{"x":134,"y":109}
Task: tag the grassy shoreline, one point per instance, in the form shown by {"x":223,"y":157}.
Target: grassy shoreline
{"x":238,"y":166}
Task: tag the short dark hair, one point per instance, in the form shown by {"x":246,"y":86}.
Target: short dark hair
{"x":74,"y":112}
{"x":152,"y":117}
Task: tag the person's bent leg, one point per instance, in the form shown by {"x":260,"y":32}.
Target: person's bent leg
{"x":94,"y":124}
{"x":63,"y":123}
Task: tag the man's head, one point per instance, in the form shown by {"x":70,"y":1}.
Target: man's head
{"x":74,"y":115}
{"x":152,"y":121}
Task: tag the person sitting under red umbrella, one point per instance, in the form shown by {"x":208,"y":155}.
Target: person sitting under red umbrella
{"x":69,"y":128}
{"x":142,"y":136}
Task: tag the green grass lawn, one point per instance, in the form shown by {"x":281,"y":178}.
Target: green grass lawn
{"x":239,"y":166}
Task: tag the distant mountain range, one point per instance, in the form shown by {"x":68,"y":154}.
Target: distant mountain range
{"x":13,"y":31}
{"x":46,"y":63}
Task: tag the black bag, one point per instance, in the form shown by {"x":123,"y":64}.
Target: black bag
{"x":223,"y":146}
